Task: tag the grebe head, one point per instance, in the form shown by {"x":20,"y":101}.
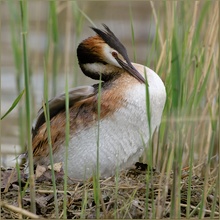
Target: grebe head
{"x":105,"y":55}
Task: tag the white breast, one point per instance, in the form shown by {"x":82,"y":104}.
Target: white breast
{"x":123,"y":135}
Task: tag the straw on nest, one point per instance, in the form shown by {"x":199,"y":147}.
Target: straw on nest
{"x":133,"y":194}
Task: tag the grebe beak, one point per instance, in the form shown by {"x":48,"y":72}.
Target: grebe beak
{"x":130,"y":69}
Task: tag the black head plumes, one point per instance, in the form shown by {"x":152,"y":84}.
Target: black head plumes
{"x":109,"y":38}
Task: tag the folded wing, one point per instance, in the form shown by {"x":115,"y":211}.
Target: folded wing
{"x":57,"y":104}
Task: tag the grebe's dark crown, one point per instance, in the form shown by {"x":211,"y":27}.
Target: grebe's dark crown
{"x":108,"y":36}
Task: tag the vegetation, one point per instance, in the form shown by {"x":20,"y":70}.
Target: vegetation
{"x":185,"y":54}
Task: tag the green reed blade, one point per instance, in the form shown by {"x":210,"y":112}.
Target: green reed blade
{"x":49,"y":139}
{"x":16,"y":101}
{"x":132,"y":32}
{"x":23,"y":8}
{"x":67,"y":131}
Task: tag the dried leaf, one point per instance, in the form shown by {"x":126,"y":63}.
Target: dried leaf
{"x":57,"y":167}
{"x":39,"y":171}
{"x":7,"y":178}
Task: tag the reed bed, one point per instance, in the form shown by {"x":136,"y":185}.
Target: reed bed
{"x":182,"y":178}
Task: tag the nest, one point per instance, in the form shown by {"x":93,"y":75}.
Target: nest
{"x":135,"y":193}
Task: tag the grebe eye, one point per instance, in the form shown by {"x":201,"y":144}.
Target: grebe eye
{"x":114,"y":54}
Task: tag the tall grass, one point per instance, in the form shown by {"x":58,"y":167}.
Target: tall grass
{"x":15,"y":21}
{"x":189,"y":70}
{"x":78,"y":22}
{"x":184,"y":53}
{"x":67,"y":127}
{"x":50,"y":145}
{"x":24,"y":20}
{"x":54,"y":34}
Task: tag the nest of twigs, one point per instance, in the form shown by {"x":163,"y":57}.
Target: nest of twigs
{"x":135,"y":193}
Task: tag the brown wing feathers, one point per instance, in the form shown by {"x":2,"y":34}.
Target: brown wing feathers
{"x":57,"y":104}
{"x":83,"y":114}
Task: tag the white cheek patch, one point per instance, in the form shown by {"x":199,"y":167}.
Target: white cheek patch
{"x":99,"y":68}
{"x":95,"y":67}
{"x":107,"y":51}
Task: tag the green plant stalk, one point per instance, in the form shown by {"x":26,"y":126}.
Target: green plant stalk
{"x":47,"y":119}
{"x":216,"y":196}
{"x":78,"y":18}
{"x":202,"y":88}
{"x":55,"y":39}
{"x":149,"y":174}
{"x":188,"y":91}
{"x":153,"y":49}
{"x":175,"y":73}
{"x":87,"y":17}
{"x":148,"y":56}
{"x":195,"y":209}
{"x":96,"y":193}
{"x":132,"y":32}
{"x":20,"y":194}
{"x":97,"y":176}
{"x":147,"y":195}
{"x":23,"y":8}
{"x":207,"y":171}
{"x":200,"y":21}
{"x":190,"y":173}
{"x":148,"y":110}
{"x":67,"y":131}
{"x":19,"y":175}
{"x":150,"y":143}
{"x":16,"y":101}
{"x":116,"y":192}
{"x":177,"y":165}
{"x":84,"y":204}
{"x":17,"y":53}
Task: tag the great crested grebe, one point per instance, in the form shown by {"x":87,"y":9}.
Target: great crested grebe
{"x":124,"y":130}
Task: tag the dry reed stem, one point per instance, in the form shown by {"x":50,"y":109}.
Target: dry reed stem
{"x":170,"y":22}
{"x":157,"y":25}
{"x":170,"y":17}
{"x":213,"y":56}
{"x":210,"y":43}
{"x":188,"y":119}
{"x":103,"y":206}
{"x":162,"y":55}
{"x":51,"y":191}
{"x":171,"y":6}
{"x":19,"y":204}
{"x":50,"y":58}
{"x":192,"y":28}
{"x":210,"y":56}
{"x":60,"y":216}
{"x":194,"y":207}
{"x":161,"y":199}
{"x":131,"y":197}
{"x":205,"y":188}
{"x":18,"y":210}
{"x":61,"y":6}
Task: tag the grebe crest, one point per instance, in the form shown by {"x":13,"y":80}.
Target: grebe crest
{"x":105,"y":55}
